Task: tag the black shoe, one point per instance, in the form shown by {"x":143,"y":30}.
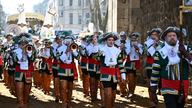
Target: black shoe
{"x":57,"y":100}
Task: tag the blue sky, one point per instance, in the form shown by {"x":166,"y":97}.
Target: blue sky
{"x":10,"y":6}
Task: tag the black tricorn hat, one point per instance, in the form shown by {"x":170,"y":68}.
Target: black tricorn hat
{"x":134,"y":34}
{"x":27,"y":35}
{"x":23,"y":40}
{"x":9,"y":34}
{"x":84,"y":37}
{"x":158,"y":30}
{"x":91,"y":37}
{"x":170,"y":29}
{"x":110,"y":34}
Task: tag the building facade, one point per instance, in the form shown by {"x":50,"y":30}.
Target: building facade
{"x":2,"y":19}
{"x":75,"y":15}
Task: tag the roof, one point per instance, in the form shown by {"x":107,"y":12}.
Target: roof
{"x":28,"y":15}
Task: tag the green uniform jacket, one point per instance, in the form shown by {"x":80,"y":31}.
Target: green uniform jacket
{"x":43,"y":64}
{"x":83,"y":65}
{"x":161,"y":68}
{"x":20,"y":75}
{"x":66,"y":72}
{"x":105,"y":77}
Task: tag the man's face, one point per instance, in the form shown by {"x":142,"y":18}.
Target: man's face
{"x":110,"y":42}
{"x":22,"y":45}
{"x":9,"y":38}
{"x":171,"y":38}
{"x":84,"y":40}
{"x":38,"y":44}
{"x":94,"y":39}
{"x":59,"y":41}
{"x":154,"y":35}
{"x":133,"y":38}
{"x":123,"y":38}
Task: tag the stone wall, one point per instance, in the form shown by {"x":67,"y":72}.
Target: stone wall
{"x":143,"y":15}
{"x":162,"y":14}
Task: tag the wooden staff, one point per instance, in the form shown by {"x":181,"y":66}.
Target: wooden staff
{"x":181,"y":93}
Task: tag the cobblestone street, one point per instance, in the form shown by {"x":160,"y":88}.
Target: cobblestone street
{"x":39,"y":100}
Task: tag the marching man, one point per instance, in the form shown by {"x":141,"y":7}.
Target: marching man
{"x":22,"y":72}
{"x":46,"y":64}
{"x":55,"y":68}
{"x":83,"y":66}
{"x":111,"y":67}
{"x":92,"y":49}
{"x":6,"y":45}
{"x":133,"y":65}
{"x":150,"y":46}
{"x":167,"y":65}
{"x":67,"y":68}
{"x":124,"y":55}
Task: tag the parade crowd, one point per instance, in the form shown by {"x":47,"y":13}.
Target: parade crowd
{"x":104,"y":60}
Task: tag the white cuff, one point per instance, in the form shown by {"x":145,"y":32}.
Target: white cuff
{"x":153,"y":84}
{"x":140,"y":50}
{"x":63,"y":57}
{"x":75,"y":53}
{"x":151,"y":51}
{"x":95,"y":49}
{"x":123,"y":76}
{"x":188,"y":61}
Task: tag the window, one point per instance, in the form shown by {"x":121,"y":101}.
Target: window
{"x":105,"y":2}
{"x":104,"y":14}
{"x":60,"y":13}
{"x":79,"y":2}
{"x":87,"y":18}
{"x":60,"y":2}
{"x":87,"y":2}
{"x":70,"y":2}
{"x":87,"y":15}
{"x":79,"y":18}
{"x":70,"y":18}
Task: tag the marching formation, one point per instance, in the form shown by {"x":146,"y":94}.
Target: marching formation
{"x":102,"y":61}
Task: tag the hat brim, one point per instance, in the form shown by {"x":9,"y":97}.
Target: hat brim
{"x":23,"y":41}
{"x":109,"y":36}
{"x":8,"y":35}
{"x":153,"y":31}
{"x":170,"y":30}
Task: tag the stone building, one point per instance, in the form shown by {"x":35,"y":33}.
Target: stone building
{"x":2,"y":19}
{"x":75,"y":15}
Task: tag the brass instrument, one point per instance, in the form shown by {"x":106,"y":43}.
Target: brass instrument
{"x":116,"y":45}
{"x":74,"y":47}
{"x":136,"y":49}
{"x":46,"y":42}
{"x":29,"y":49}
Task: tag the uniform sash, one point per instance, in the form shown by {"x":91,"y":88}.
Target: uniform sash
{"x":150,"y":60}
{"x":111,"y":71}
{"x":55,"y":61}
{"x":49,"y":61}
{"x":0,"y":60}
{"x":84,"y":60}
{"x":28,"y":72}
{"x":70,"y":66}
{"x":138,"y":65}
{"x":175,"y":84}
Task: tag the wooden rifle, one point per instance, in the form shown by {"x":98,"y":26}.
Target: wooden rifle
{"x":181,"y":92}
